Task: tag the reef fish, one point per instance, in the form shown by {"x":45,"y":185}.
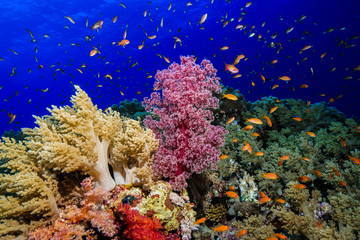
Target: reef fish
{"x":270,"y":175}
{"x":221,"y":228}
{"x":230,"y":96}
{"x":201,"y":220}
{"x":98,"y":24}
{"x":254,"y":120}
{"x":231,"y":194}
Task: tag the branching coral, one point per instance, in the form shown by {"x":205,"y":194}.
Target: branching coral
{"x":28,"y":195}
{"x":81,"y":138}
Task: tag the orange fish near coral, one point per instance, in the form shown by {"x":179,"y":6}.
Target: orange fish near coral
{"x":199,"y":221}
{"x":268,"y":121}
{"x":248,"y":127}
{"x":304,"y":179}
{"x":254,"y":121}
{"x":221,"y":228}
{"x":255,"y":134}
{"x":273,"y":109}
{"x":247,"y":147}
{"x":259,"y":154}
{"x":224,"y":156}
{"x":298,"y":119}
{"x":355,"y":160}
{"x":230,"y":96}
{"x":306,"y":159}
{"x":230,"y":120}
{"x":311,"y":134}
{"x":11,"y":116}
{"x":279,"y":200}
{"x":286,"y":157}
{"x":231,"y":194}
{"x":318,"y":173}
{"x":231,"y":68}
{"x":241,"y":233}
{"x":264,"y":200}
{"x":299,"y":186}
{"x":279,"y":235}
{"x":270,"y":175}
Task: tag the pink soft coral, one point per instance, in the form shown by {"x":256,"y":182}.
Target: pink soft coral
{"x":188,"y":143}
{"x":136,"y":226}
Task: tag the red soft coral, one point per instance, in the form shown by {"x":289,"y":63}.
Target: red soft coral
{"x":136,"y":226}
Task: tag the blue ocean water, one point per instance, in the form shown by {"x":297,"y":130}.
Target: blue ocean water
{"x":36,"y":74}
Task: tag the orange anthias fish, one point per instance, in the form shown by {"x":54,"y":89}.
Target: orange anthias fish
{"x":318,"y":173}
{"x":285,"y":78}
{"x":273,"y":109}
{"x":306,"y":159}
{"x":97,"y":25}
{"x":123,"y":42}
{"x":231,"y":68}
{"x":255,"y":134}
{"x":304,"y":179}
{"x":286,"y":157}
{"x":93,"y":52}
{"x":343,"y":142}
{"x":299,"y":186}
{"x":238,"y":58}
{"x":224,"y":156}
{"x":279,"y":235}
{"x":231,"y":194}
{"x":297,"y":119}
{"x":355,"y":160}
{"x":247,"y":147}
{"x":221,"y":228}
{"x":230,"y":120}
{"x":311,"y":134}
{"x":11,"y":116}
{"x":241,"y":233}
{"x":268,"y":121}
{"x":279,"y":200}
{"x":270,"y":175}
{"x":254,"y":120}
{"x":259,"y":154}
{"x":335,"y":171}
{"x":248,"y":127}
{"x":264,"y":200}
{"x":199,"y":221}
{"x":230,"y":96}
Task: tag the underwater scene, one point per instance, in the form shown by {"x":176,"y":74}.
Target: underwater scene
{"x":170,"y":119}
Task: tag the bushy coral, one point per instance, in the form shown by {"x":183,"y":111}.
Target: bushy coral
{"x":83,"y":138}
{"x":28,"y":194}
{"x":188,"y":143}
{"x":72,"y":223}
{"x":135,"y":226}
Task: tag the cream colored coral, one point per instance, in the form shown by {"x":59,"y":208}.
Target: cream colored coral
{"x":84,"y":138}
{"x":134,"y":148}
{"x":26,"y":191}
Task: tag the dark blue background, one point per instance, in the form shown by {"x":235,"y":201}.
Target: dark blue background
{"x":47,"y":17}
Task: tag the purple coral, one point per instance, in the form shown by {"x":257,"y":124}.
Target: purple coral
{"x":188,"y":143}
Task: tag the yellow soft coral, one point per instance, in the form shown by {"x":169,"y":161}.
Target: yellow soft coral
{"x":83,"y":138}
{"x":28,"y":195}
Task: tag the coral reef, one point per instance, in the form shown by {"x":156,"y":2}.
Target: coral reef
{"x":188,"y":143}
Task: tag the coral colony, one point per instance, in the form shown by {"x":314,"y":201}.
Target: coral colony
{"x":203,"y":164}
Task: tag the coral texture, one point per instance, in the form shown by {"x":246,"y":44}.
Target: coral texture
{"x":81,"y":138}
{"x":188,"y":143}
{"x":73,"y":220}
